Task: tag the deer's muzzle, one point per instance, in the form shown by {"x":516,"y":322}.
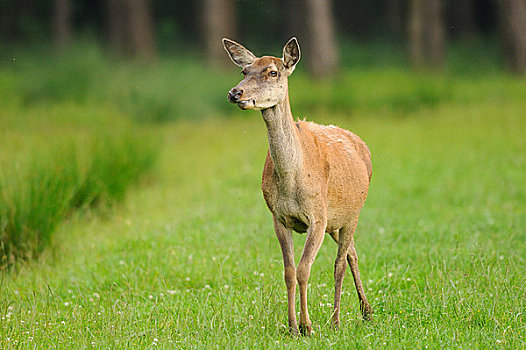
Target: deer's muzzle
{"x":234,"y":95}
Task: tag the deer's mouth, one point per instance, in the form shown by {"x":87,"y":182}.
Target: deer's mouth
{"x":247,"y":104}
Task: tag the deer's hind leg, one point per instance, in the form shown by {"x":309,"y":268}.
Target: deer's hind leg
{"x":365,"y":308}
{"x":352,"y":259}
{"x":345,"y":236}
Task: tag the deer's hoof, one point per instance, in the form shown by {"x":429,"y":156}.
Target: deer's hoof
{"x":367,"y":312}
{"x":335,"y":324}
{"x":305,"y":330}
{"x":293,"y":332}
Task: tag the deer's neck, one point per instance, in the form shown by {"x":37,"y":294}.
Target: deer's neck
{"x":284,"y":142}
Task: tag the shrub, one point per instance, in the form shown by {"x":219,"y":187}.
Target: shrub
{"x":40,"y":186}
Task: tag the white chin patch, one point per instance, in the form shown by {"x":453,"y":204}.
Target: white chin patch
{"x":247,"y":104}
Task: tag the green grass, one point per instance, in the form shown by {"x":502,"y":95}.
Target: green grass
{"x":58,"y":159}
{"x":191,"y":260}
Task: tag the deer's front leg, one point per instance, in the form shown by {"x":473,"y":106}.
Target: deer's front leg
{"x":313,"y":243}
{"x":287,"y":248}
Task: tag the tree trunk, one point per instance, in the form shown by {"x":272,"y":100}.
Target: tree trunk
{"x":296,"y":19}
{"x":463,"y":18}
{"x":512,"y":15}
{"x":62,"y":28}
{"x":394,"y":15}
{"x":322,"y":58}
{"x":427,"y":33}
{"x":218,"y":23}
{"x":416,"y":33}
{"x":116,"y":19}
{"x":7,"y":23}
{"x":140,"y":29}
{"x":436,"y":35}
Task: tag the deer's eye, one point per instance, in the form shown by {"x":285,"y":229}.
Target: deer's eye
{"x":244,"y":72}
{"x":273,"y":73}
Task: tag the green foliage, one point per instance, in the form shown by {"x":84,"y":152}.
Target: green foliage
{"x":185,"y":88}
{"x":45,"y":173}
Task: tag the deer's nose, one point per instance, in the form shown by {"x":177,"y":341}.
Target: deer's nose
{"x":235,"y":94}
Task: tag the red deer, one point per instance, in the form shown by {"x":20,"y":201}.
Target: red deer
{"x":315,"y":178}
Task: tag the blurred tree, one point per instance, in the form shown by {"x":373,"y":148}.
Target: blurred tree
{"x":6,"y":20}
{"x":462,"y":14}
{"x":116,"y":19}
{"x":512,"y":15}
{"x":219,"y":21}
{"x":394,"y":15}
{"x":62,"y":26}
{"x":140,"y":28}
{"x":130,"y":28}
{"x":427,"y":33}
{"x":322,"y":55}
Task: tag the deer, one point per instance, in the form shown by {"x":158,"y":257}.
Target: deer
{"x":315,"y":178}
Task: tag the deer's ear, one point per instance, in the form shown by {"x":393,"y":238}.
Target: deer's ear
{"x":240,"y":55}
{"x":291,"y":54}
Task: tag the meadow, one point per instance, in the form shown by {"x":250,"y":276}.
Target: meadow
{"x":188,"y":257}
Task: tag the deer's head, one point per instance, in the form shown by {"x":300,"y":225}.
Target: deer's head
{"x":265,"y":79}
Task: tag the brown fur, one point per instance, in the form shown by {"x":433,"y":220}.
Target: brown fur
{"x":315,"y":178}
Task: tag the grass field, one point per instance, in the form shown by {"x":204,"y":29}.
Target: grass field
{"x":190,"y":259}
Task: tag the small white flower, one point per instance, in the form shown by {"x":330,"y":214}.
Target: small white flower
{"x":207,"y":286}
{"x":187,"y":279}
{"x":66,"y":303}
{"x":171,"y":292}
{"x":150,"y":297}
{"x":96,"y":295}
{"x":390,"y":274}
